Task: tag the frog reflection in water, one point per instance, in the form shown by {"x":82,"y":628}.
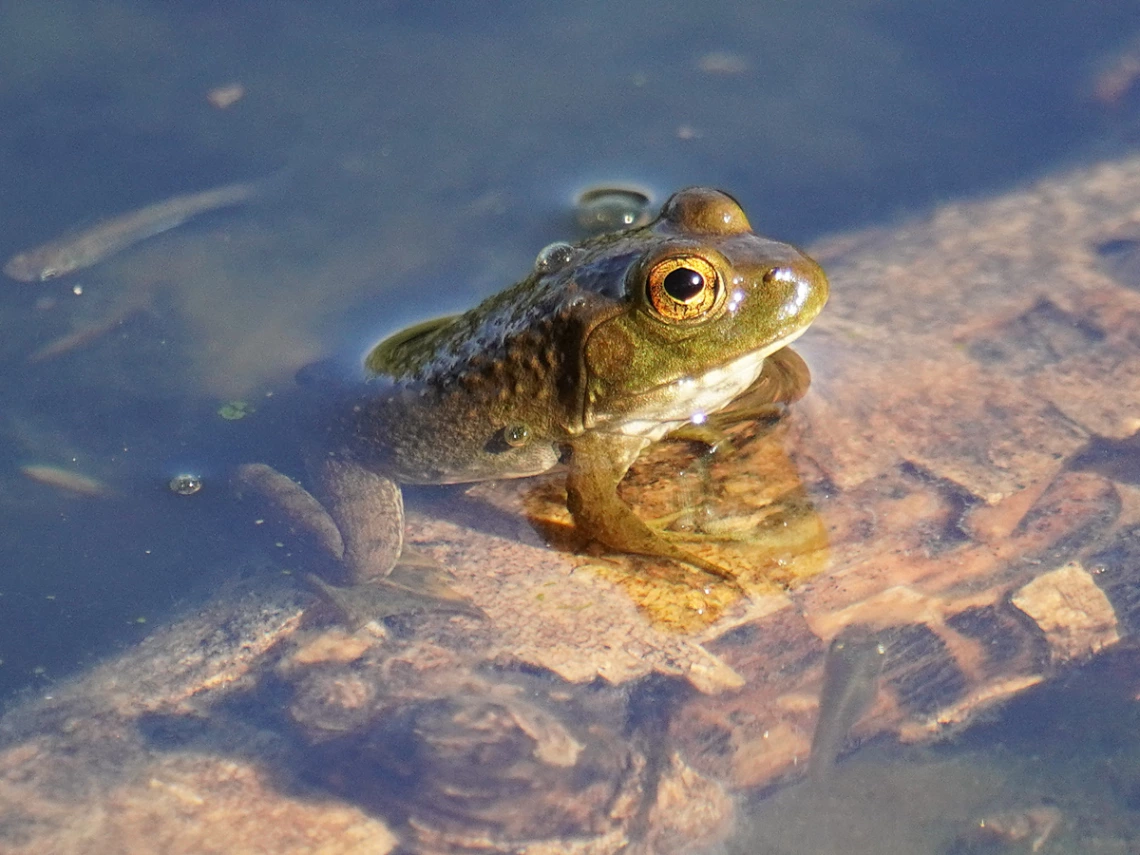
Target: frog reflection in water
{"x":604,"y":348}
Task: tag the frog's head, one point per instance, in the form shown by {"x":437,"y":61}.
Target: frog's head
{"x":704,"y":304}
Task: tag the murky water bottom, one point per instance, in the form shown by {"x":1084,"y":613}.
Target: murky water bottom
{"x":1057,"y":770}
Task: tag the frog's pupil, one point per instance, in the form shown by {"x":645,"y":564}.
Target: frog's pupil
{"x":683,"y":284}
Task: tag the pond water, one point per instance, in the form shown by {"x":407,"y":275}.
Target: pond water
{"x":409,"y":160}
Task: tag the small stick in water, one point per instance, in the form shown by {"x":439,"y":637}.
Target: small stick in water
{"x":64,"y":479}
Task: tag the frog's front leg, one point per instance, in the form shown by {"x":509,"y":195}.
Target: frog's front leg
{"x":598,"y":463}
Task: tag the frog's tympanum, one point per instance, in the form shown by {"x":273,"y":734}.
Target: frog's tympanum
{"x":604,"y":348}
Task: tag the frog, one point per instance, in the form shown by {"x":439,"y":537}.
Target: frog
{"x":605,"y":347}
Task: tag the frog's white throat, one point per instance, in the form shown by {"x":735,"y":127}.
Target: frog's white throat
{"x":693,"y":399}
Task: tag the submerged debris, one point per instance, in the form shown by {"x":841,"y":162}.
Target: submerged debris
{"x":851,"y":672}
{"x":69,"y":253}
{"x":67,"y":480}
{"x":224,"y":97}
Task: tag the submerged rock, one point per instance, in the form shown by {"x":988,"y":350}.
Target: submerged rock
{"x":957,"y":483}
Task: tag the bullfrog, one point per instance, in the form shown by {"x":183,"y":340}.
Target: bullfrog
{"x":605,"y":347}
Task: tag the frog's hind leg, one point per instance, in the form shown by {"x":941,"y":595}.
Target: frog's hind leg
{"x":384,"y":579}
{"x":295,"y":502}
{"x":360,"y":523}
{"x":368,"y":509}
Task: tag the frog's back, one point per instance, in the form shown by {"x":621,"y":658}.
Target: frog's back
{"x":492,"y":393}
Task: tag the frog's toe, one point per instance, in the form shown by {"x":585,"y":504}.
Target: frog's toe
{"x":430,"y":580}
{"x":399,"y":594}
{"x":710,"y":567}
{"x":413,"y":558}
{"x":714,"y":437}
{"x":664,"y":545}
{"x":688,"y":536}
{"x":685,"y":524}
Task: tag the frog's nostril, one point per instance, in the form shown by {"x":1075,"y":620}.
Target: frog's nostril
{"x":779,"y":274}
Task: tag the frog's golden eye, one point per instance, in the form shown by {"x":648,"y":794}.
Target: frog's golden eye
{"x":682,"y":288}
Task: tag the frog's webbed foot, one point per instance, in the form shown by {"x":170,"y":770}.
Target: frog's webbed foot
{"x":598,"y":463}
{"x":356,"y":605}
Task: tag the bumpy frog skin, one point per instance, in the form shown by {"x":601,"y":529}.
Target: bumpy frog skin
{"x":604,"y":348}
